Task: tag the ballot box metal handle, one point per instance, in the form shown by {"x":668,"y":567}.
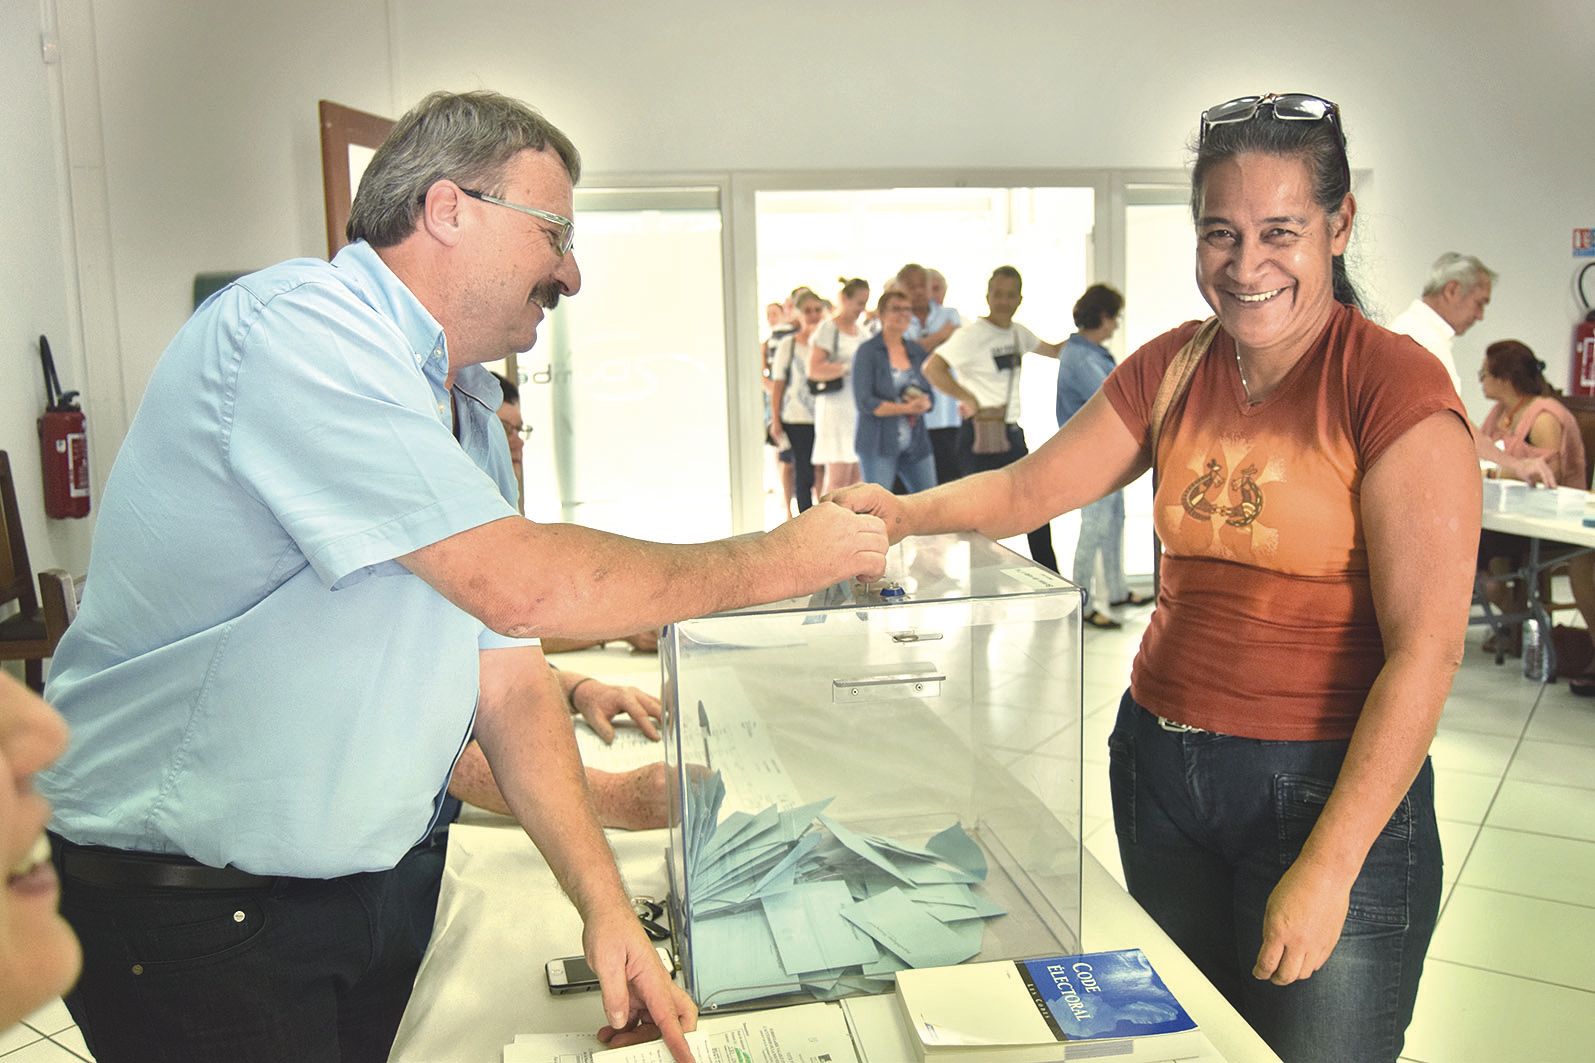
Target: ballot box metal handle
{"x":888,"y":687}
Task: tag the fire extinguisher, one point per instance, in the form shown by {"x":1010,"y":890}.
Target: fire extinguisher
{"x":63,"y":445}
{"x":1583,"y":361}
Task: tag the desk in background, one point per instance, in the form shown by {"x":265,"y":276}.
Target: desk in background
{"x":1552,"y":540}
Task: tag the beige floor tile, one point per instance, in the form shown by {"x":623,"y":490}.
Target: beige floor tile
{"x":72,"y":1040}
{"x":1564,"y":718}
{"x":1557,"y":869}
{"x":18,"y":1036}
{"x":1551,"y":762}
{"x":1523,"y":936}
{"x":1463,"y":796}
{"x":43,"y":1050}
{"x":1486,"y":714}
{"x":1565,"y":811}
{"x":1472,"y":751}
{"x":1466,"y":1015}
{"x":51,"y":1018}
{"x":1456,"y":840}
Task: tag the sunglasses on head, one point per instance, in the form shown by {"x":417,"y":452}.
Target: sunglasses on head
{"x":1286,"y":107}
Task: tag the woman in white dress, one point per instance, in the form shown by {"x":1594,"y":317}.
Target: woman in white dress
{"x":831,"y":362}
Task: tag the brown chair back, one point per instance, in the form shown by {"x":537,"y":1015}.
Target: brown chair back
{"x":16,"y":572}
{"x":1583,"y":410}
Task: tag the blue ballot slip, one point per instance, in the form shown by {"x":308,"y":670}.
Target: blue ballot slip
{"x":1004,"y":1008}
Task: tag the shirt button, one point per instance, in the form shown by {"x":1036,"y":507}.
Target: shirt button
{"x":238,"y":917}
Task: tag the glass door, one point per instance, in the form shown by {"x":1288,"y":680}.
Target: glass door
{"x":626,"y":388}
{"x":1160,"y":293}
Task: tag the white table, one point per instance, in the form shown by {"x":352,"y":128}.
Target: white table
{"x":501,"y":916}
{"x":1567,"y":532}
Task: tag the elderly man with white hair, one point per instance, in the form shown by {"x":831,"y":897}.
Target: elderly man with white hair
{"x":1452,"y":302}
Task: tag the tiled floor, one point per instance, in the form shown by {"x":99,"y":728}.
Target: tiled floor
{"x":1509,"y":977}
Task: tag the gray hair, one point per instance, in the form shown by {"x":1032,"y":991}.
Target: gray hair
{"x":467,"y":137}
{"x":1464,"y":269}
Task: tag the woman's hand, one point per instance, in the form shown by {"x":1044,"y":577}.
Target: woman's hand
{"x":1302,"y":923}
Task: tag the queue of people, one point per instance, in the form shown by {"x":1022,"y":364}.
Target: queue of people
{"x":224,"y":843}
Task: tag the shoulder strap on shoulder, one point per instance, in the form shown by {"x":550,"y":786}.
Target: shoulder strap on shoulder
{"x":1177,"y":377}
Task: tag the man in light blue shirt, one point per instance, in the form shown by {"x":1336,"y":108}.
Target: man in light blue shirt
{"x":309,"y":584}
{"x":932,"y":324}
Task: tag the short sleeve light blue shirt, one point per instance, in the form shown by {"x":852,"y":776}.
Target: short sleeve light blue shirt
{"x":944,"y":410}
{"x":252,"y":678}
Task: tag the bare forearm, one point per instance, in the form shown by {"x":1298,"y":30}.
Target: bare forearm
{"x":622,"y":800}
{"x":578,"y":583}
{"x":531,"y":755}
{"x":1387,"y":748}
{"x":941,"y":378}
{"x":473,"y":782}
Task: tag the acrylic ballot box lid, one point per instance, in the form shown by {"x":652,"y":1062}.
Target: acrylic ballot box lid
{"x":875,"y":777}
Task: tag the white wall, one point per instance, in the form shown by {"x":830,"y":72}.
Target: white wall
{"x":1467,"y":114}
{"x":37,"y":294}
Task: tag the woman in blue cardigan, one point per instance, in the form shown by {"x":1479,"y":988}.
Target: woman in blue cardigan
{"x":893,"y":395}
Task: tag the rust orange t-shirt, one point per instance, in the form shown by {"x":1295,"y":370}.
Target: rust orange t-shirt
{"x":1265,"y":623}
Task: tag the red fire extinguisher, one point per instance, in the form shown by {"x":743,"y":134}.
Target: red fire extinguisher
{"x":1583,"y":361}
{"x":63,"y":445}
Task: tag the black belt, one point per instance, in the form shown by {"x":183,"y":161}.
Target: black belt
{"x":123,"y":869}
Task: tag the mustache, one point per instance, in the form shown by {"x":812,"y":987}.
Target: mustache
{"x":546,"y":295}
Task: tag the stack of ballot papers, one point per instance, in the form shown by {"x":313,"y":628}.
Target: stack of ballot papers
{"x":791,"y":900}
{"x":809,"y":1033}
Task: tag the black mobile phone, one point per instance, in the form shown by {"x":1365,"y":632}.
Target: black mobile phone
{"x":571,"y":974}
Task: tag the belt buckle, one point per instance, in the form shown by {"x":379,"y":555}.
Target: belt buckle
{"x":1178,"y":728}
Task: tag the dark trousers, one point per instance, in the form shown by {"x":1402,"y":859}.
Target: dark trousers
{"x":801,"y":437}
{"x":310,"y":970}
{"x":944,"y":446}
{"x":1207,"y":825}
{"x":1040,"y":539}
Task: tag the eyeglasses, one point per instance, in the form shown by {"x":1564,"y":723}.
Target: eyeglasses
{"x":522,"y":430}
{"x":566,"y":238}
{"x":1287,"y":107}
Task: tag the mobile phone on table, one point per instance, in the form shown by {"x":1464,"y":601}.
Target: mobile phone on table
{"x":571,"y":974}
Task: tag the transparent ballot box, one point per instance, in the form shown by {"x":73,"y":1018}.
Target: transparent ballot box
{"x":876,"y":777}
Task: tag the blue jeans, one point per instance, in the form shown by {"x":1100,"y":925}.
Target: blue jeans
{"x":885,"y":469}
{"x":310,"y":970}
{"x":1102,"y":532}
{"x":1208,"y":823}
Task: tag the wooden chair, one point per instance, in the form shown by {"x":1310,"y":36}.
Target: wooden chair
{"x":23,"y":636}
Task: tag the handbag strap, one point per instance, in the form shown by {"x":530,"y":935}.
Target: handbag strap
{"x":1177,"y":379}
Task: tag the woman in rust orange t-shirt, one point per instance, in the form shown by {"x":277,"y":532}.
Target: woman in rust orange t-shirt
{"x":1318,"y":501}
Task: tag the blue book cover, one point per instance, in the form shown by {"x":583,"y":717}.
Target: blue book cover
{"x":1102,"y":995}
{"x":996,"y":1009}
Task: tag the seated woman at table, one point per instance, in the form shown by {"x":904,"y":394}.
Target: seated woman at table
{"x":1527,"y":421}
{"x":1318,"y":501}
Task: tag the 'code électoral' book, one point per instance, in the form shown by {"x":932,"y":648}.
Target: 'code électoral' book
{"x":1095,"y":1005}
